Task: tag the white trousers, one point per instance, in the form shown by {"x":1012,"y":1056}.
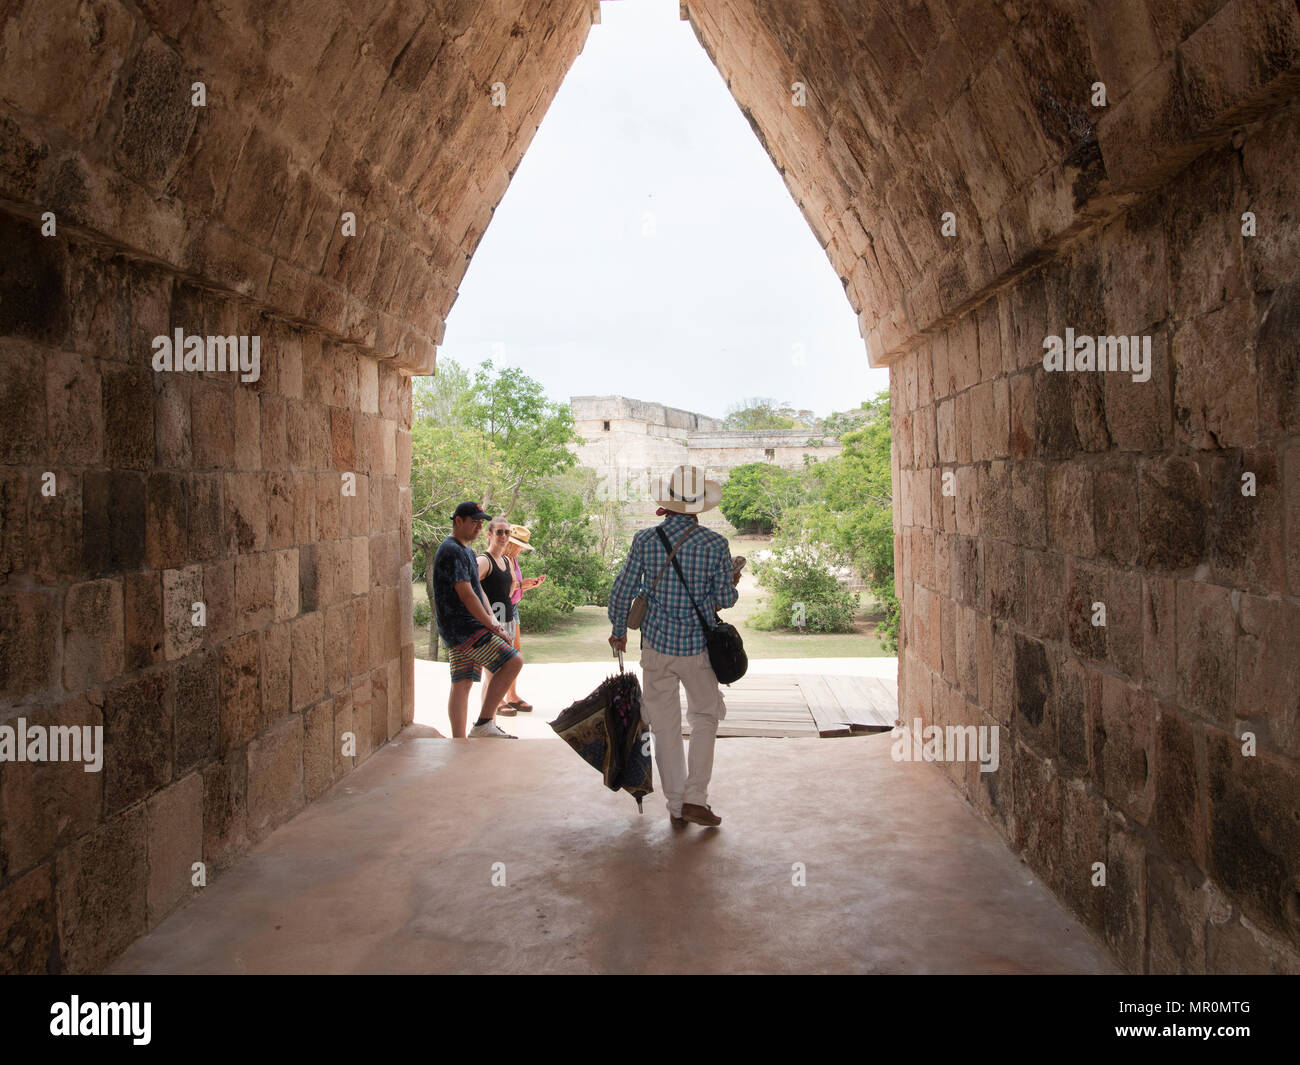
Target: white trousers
{"x":661,"y":705}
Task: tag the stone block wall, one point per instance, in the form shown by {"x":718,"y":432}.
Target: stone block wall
{"x":1123,"y":743}
{"x":171,"y":489}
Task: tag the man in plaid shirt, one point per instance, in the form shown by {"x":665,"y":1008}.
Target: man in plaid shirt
{"x":674,"y":650}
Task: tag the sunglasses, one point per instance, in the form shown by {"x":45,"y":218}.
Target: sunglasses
{"x":501,"y":532}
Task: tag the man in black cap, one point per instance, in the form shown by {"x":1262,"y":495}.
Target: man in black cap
{"x":474,"y":639}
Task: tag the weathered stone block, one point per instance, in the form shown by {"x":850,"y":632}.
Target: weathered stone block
{"x":1207,"y":651}
{"x":102,"y":887}
{"x":173,"y":431}
{"x":212,"y":415}
{"x":1173,"y":508}
{"x":1124,"y":898}
{"x":1037,"y":824}
{"x":277,"y":673}
{"x":225,"y":809}
{"x":286,"y":584}
{"x":1033,"y":695}
{"x":336,"y":648}
{"x":1254,"y":842}
{"x":128,"y":418}
{"x":175,"y":825}
{"x":359,"y":636}
{"x":1176,"y":920}
{"x":240,"y":691}
{"x":1126,"y":748}
{"x":1115,"y":514}
{"x":182,"y":588}
{"x":379,"y":707}
{"x":275,"y":790}
{"x":1028,"y":523}
{"x":207,"y":529}
{"x":1268,"y":670}
{"x":198,"y":709}
{"x":138,"y":739}
{"x":47,"y":804}
{"x":1216,"y":380}
{"x":1070,"y":503}
{"x":113,"y":530}
{"x":255,"y":590}
{"x":361,"y":724}
{"x":142,"y":620}
{"x":27,"y":924}
{"x":93,"y":638}
{"x":168,"y":518}
{"x":73,"y":408}
{"x":318,"y":749}
{"x":245,"y":504}
{"x":1179,"y":784}
{"x":1045,"y":594}
{"x":308,"y":659}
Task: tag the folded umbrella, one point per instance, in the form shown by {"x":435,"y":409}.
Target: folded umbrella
{"x":606,"y":729}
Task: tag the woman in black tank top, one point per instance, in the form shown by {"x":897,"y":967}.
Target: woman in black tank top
{"x":496,"y":586}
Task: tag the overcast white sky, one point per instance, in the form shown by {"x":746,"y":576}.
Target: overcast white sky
{"x":647,"y":246}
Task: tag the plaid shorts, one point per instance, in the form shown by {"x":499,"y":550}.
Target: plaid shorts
{"x":488,"y":651}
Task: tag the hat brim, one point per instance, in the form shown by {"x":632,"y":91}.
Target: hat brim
{"x":712,"y":496}
{"x":526,"y":547}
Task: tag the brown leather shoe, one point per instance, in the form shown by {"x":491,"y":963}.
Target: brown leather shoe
{"x":699,"y":815}
{"x":678,"y":822}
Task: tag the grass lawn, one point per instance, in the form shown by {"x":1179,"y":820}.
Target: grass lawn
{"x":581,"y":636}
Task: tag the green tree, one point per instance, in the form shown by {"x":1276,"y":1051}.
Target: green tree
{"x":854,"y":509}
{"x":759,"y":413}
{"x":531,"y":434}
{"x":756,"y":495}
{"x":449,"y":463}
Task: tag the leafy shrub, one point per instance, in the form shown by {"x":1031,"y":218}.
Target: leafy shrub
{"x":755,"y":496}
{"x":421,"y":613}
{"x":542,"y":607}
{"x":804,"y":589}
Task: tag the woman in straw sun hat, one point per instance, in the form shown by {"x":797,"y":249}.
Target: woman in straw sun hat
{"x":519,"y":541}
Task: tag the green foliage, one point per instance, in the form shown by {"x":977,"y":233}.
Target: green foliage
{"x":542,"y":607}
{"x":761,"y":413}
{"x":806,"y":595}
{"x":558,"y":512}
{"x":854,"y":510}
{"x":529,"y":433}
{"x":755,"y":496}
{"x":421,"y":613}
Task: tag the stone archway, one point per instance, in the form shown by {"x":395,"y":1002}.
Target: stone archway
{"x":975,"y":195}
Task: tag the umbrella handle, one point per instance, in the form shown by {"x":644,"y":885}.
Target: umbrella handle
{"x":620,"y":659}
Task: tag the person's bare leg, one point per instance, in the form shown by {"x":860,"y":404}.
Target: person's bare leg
{"x":499,"y":685}
{"x":458,"y":707}
{"x":513,"y":695}
{"x":483,"y":696}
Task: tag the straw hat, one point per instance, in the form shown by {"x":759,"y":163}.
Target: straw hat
{"x":520,"y":534}
{"x":687,"y":491}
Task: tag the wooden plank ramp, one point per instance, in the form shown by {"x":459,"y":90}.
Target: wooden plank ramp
{"x":805,"y":705}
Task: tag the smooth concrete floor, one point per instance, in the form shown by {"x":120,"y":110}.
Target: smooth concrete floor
{"x":391,"y":872}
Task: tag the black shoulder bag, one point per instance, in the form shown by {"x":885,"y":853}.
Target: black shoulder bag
{"x":726,"y":648}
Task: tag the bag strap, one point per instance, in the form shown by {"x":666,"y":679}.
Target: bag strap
{"x":678,"y":567}
{"x":664,"y":568}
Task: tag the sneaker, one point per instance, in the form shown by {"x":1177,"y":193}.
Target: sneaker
{"x":699,"y":815}
{"x":491,"y":730}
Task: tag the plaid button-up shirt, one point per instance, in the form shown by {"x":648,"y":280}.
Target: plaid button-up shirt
{"x":671,"y":626}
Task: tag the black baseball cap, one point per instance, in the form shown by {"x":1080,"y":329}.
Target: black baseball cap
{"x":471,"y":510}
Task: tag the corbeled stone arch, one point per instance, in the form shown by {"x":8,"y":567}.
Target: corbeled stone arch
{"x":1122,"y":747}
